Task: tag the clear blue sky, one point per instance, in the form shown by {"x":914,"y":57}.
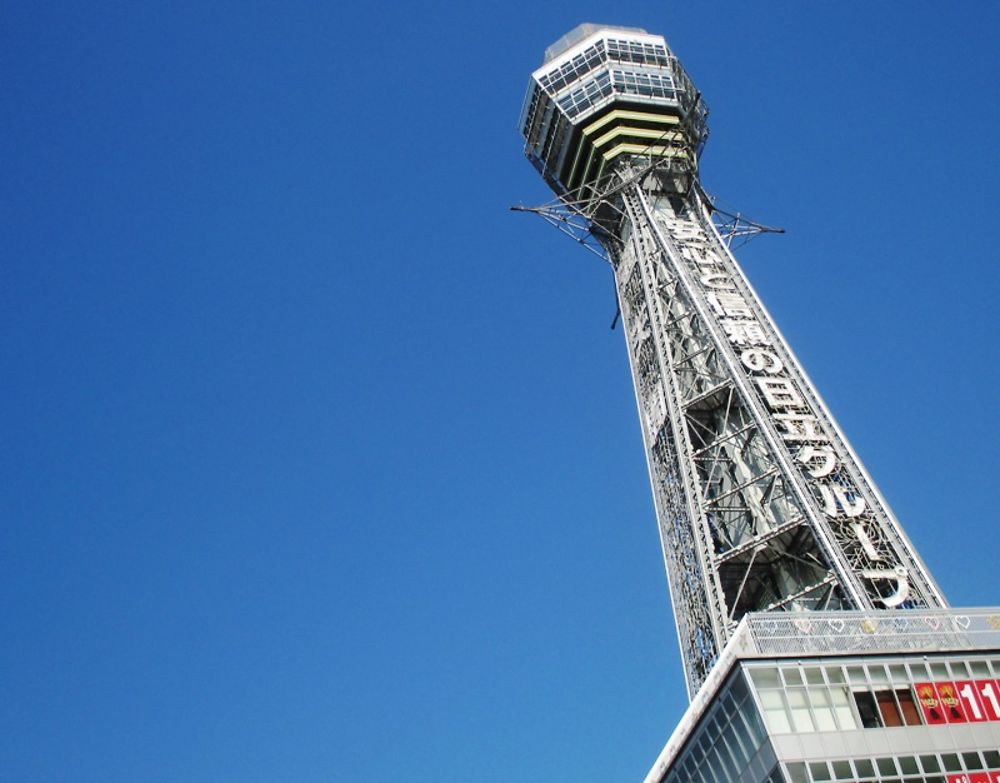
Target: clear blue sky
{"x":320,"y":465}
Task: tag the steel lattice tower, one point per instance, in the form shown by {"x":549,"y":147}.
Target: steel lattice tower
{"x":761,"y":502}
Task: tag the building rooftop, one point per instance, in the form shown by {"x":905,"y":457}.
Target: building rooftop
{"x":771,"y":635}
{"x":580,"y":32}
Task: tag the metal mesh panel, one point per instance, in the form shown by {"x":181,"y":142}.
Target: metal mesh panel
{"x":869,"y":632}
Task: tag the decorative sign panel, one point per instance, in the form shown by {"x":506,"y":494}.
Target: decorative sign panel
{"x":962,"y":701}
{"x":992,"y":776}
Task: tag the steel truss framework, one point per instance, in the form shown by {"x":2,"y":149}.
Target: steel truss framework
{"x":762,"y":504}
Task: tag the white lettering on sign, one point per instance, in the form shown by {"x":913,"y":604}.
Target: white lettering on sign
{"x":780,"y":393}
{"x":718,"y":280}
{"x":898,"y":574}
{"x":803,"y":432}
{"x":761,"y":360}
{"x":987,"y":692}
{"x":744,"y":332}
{"x":967,"y":693}
{"x":808,"y":455}
{"x":799,"y":427}
{"x":697,"y":253}
{"x":866,"y":542}
{"x":687,"y":233}
{"x":729,"y":303}
{"x":835,"y":496}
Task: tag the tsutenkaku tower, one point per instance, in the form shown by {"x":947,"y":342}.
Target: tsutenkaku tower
{"x":761,"y":502}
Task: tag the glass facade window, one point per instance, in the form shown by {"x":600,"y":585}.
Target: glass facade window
{"x":931,"y":768}
{"x":643,"y":83}
{"x":972,"y":761}
{"x":950,"y":762}
{"x":596,"y":90}
{"x":813,"y":675}
{"x":587,"y":95}
{"x":877,"y":675}
{"x":637,"y":52}
{"x":765,"y":677}
{"x":930,"y":764}
{"x":794,"y":700}
{"x":775,"y":712}
{"x":919,"y":671}
{"x":897,"y":708}
{"x":898,"y":673}
{"x":888,"y":709}
{"x":867,"y":709}
{"x":885,"y":766}
{"x":582,"y":64}
{"x":802,"y":721}
{"x":782,"y":698}
{"x":841,"y":696}
{"x":907,"y":707}
{"x":842,"y":709}
{"x":822,"y":707}
{"x":726,"y":741}
{"x":792,"y":676}
{"x":981,"y":669}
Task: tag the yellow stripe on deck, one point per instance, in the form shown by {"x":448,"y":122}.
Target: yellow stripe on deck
{"x":639,"y":149}
{"x":627,"y":114}
{"x":642,"y":133}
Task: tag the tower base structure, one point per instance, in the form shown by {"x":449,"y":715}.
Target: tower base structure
{"x":887,"y":696}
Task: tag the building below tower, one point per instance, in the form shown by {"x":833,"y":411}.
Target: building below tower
{"x":889,"y":696}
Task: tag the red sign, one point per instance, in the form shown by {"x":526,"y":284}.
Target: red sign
{"x":929,"y":702}
{"x":989,"y":696}
{"x":974,"y":777}
{"x":968,"y":694}
{"x":953,"y":709}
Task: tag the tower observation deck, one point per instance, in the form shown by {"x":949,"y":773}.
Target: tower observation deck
{"x":761,"y":502}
